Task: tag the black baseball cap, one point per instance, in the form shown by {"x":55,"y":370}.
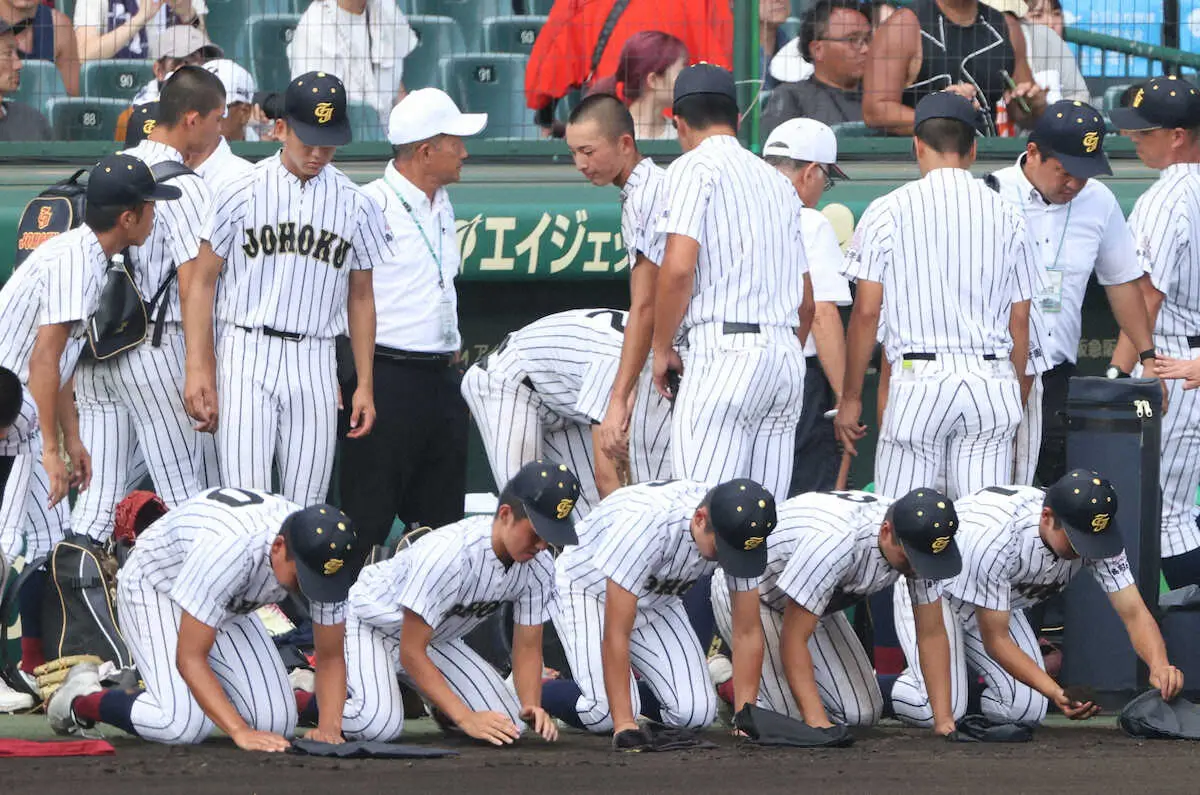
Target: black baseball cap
{"x":1074,"y":133}
{"x":142,"y":122}
{"x":1161,"y":102}
{"x":1086,"y":504}
{"x":948,"y":105}
{"x":314,"y":105}
{"x":548,"y":492}
{"x":323,"y":543}
{"x":925,"y":522}
{"x":742,"y":515}
{"x":705,"y":78}
{"x":123,"y":181}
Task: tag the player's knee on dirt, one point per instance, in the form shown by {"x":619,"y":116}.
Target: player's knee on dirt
{"x":185,"y":727}
{"x":861,"y":713}
{"x":691,"y":710}
{"x":1027,"y":706}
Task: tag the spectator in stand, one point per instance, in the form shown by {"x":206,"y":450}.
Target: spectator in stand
{"x":562,"y":57}
{"x":176,"y":46}
{"x":18,"y":121}
{"x":835,"y":37}
{"x":240,"y":89}
{"x":44,"y":34}
{"x":1051,"y":61}
{"x":124,"y":28}
{"x":363,"y":42}
{"x":1048,"y":13}
{"x":645,"y":81}
{"x":771,"y":36}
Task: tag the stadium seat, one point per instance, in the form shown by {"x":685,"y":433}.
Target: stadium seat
{"x":40,"y":83}
{"x":854,"y":129}
{"x":511,"y":34}
{"x":227,"y":22}
{"x":116,"y":79}
{"x":538,"y":7}
{"x":85,"y":118}
{"x":438,"y":37}
{"x":492,"y":83}
{"x":364,"y":121}
{"x":269,"y":36}
{"x":468,"y":14}
{"x":1112,"y":96}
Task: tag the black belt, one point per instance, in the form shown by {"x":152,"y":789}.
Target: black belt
{"x":414,"y":357}
{"x":1193,"y":342}
{"x":267,"y":331}
{"x":740,"y":328}
{"x":932,"y":357}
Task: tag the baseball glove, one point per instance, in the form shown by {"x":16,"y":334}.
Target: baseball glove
{"x":631,"y":741}
{"x":978,"y":729}
{"x":50,"y":675}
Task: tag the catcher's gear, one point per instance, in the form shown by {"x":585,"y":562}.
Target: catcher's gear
{"x":51,"y":675}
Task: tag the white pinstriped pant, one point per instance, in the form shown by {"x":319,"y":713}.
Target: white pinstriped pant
{"x":1180,"y":472}
{"x":845,"y":679}
{"x":374,"y":711}
{"x":27,"y":526}
{"x":1005,"y":700}
{"x":663,"y":649}
{"x":1029,"y":437}
{"x":278,"y":404}
{"x":243,"y":657}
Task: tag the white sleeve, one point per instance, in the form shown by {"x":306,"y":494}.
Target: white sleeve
{"x":811,"y":579}
{"x":373,"y":239}
{"x":1117,"y":261}
{"x":824,"y":260}
{"x":924,"y":592}
{"x":214,"y":574}
{"x":220,"y":227}
{"x":870,"y":251}
{"x":1113,"y":574}
{"x":983,"y":581}
{"x":327,"y":614}
{"x":742,"y":583}
{"x":435,"y":578}
{"x":689,"y":190}
{"x":1158,"y":235}
{"x":63,"y":297}
{"x":594,"y":391}
{"x":1024,"y":261}
{"x":631,"y":550}
{"x":183,"y":233}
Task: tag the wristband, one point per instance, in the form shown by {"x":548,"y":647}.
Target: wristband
{"x":1147,"y":354}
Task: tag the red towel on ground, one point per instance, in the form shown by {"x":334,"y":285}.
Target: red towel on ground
{"x":12,"y":748}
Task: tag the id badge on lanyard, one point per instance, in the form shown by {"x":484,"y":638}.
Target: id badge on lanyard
{"x":447,"y":315}
{"x":1050,"y":296}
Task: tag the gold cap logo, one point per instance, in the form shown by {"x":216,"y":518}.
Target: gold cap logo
{"x":1091,"y":142}
{"x":564,"y":508}
{"x":324,"y":112}
{"x":1100,"y":522}
{"x":1138,"y":97}
{"x":939,"y":545}
{"x":333,"y":566}
{"x":45,"y":213}
{"x":148,"y":126}
{"x":754,"y":542}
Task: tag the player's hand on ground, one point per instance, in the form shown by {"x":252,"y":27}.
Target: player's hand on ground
{"x":362,"y":413}
{"x":319,"y":735}
{"x":541,"y":722}
{"x":1075,"y":710}
{"x":490,"y":727}
{"x":81,"y":464}
{"x":945,"y":727}
{"x":846,"y":425}
{"x":666,"y":362}
{"x":56,"y":471}
{"x":1169,"y":681}
{"x":200,"y":397}
{"x":252,"y":740}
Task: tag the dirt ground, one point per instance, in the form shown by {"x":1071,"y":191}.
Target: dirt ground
{"x":1060,"y":759}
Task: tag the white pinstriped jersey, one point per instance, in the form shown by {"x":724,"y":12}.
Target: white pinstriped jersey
{"x":641,"y":205}
{"x":1166,"y":227}
{"x":175,"y":238}
{"x":640,"y":538}
{"x":746,"y":217}
{"x":59,"y":283}
{"x":453,"y":580}
{"x":572,"y":358}
{"x":18,"y":437}
{"x":824,"y":554}
{"x":1006,"y":565}
{"x":289,"y":248}
{"x":212,"y":556}
{"x":222,"y":167}
{"x":952,"y":256}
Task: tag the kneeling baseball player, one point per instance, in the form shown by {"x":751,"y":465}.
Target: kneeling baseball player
{"x":409,"y":615}
{"x":832,"y":550}
{"x":186,"y":602}
{"x":640,"y":550}
{"x":1019,"y":546}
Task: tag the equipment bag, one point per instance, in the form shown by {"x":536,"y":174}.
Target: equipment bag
{"x":57,"y":209}
{"x":79,"y":615}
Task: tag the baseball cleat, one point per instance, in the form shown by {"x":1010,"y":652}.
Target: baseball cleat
{"x":83,"y":680}
{"x":13,"y":701}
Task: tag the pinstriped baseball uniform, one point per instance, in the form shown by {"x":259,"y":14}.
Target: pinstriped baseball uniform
{"x":453,"y":580}
{"x":640,"y":538}
{"x":210,"y":558}
{"x":1006,"y":566}
{"x":540,"y":392}
{"x":139,"y":395}
{"x":222,"y":167}
{"x":1165,"y":223}
{"x":1071,"y":240}
{"x":288,"y":247}
{"x":952,"y":256}
{"x":824,"y":555}
{"x":742,"y":388}
{"x":59,"y":283}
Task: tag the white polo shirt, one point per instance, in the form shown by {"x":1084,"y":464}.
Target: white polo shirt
{"x":1070,"y":241}
{"x":824,"y":263}
{"x":409,"y":298}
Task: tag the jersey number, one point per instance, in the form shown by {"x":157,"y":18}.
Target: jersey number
{"x":617,"y":319}
{"x":998,"y":490}
{"x":236,"y":498}
{"x":852,"y":497}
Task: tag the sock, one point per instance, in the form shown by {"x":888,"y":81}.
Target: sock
{"x":29,"y":602}
{"x":113,"y":707}
{"x":306,"y":708}
{"x":32,"y":653}
{"x":651,"y":706}
{"x":560,"y":697}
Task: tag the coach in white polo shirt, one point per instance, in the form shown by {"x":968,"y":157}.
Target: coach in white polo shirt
{"x":413,"y":465}
{"x":805,"y":151}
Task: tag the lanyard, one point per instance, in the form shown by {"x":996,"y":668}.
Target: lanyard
{"x":1061,"y":239}
{"x":437,"y":256}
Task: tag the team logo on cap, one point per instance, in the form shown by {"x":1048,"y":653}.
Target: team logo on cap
{"x":939,"y":544}
{"x":323,"y":112}
{"x":1091,"y":142}
{"x":564,"y":508}
{"x":333,"y":566}
{"x":1100,"y":522}
{"x":753,"y":542}
{"x":44,"y":215}
{"x":148,"y":126}
{"x":1138,"y":97}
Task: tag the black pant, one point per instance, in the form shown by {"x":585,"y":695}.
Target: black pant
{"x":817,"y":460}
{"x":1052,"y":457}
{"x":1182,"y":570}
{"x":413,"y":465}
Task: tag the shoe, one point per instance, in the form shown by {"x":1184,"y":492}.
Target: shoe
{"x":12,"y":701}
{"x":720,"y":669}
{"x":82,"y":680}
{"x":303,"y":679}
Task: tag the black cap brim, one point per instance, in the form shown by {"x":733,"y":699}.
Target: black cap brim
{"x":1130,"y":119}
{"x":334,"y":134}
{"x":926,"y":566}
{"x":1095,"y":546}
{"x":836,"y":171}
{"x":316,"y":587}
{"x":1085,"y":166}
{"x":559,"y":532}
{"x":741,"y":563}
{"x":164,"y":193}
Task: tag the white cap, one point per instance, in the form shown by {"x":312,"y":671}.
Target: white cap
{"x":239,"y":84}
{"x":805,"y":139}
{"x":180,"y":41}
{"x":427,"y":112}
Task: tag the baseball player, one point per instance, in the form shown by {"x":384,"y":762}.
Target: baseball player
{"x":829,"y":551}
{"x":951,"y":264}
{"x":1163,"y":121}
{"x":544,"y":391}
{"x":18,"y":432}
{"x":600,"y":136}
{"x":619,"y":593}
{"x":805,"y":151}
{"x":409,"y":614}
{"x":1077,"y":228}
{"x":291,"y":244}
{"x":186,"y":602}
{"x":137,"y":397}
{"x":43,"y":308}
{"x":732,"y":279}
{"x":217,"y":164}
{"x":1019,"y":546}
